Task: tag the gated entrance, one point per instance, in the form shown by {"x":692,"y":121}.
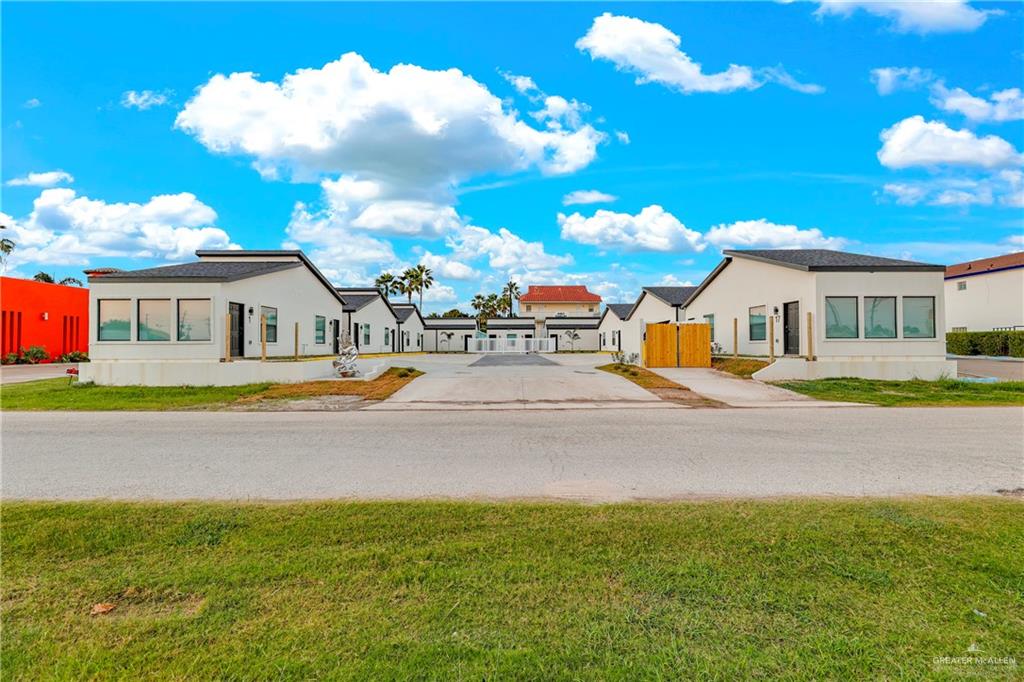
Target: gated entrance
{"x":677,"y":345}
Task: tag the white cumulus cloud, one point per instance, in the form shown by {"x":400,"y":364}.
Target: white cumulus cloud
{"x":651,"y":51}
{"x":761,"y":233}
{"x":652,"y":229}
{"x":504,"y":250}
{"x":916,"y":142}
{"x":449,"y":268}
{"x":66,"y":229}
{"x":1002,"y":105}
{"x":44,"y":179}
{"x":587,"y":196}
{"x":914,"y":16}
{"x":144,"y":99}
{"x":889,"y":79}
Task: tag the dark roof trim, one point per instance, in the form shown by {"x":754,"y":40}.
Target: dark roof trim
{"x":455,"y":323}
{"x":369,"y":292}
{"x":707,"y":280}
{"x":267,"y":253}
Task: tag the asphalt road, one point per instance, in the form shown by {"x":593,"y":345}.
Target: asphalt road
{"x":576,"y":454}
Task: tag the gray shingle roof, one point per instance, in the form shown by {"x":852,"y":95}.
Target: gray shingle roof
{"x":621,"y":309}
{"x":825,"y":260}
{"x":403,"y":311}
{"x":356,"y":299}
{"x":675,"y":296}
{"x":202,"y":271}
{"x":572,"y":322}
{"x":449,"y":322}
{"x":510,"y":323}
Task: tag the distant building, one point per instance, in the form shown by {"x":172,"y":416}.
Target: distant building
{"x":544,"y":303}
{"x":53,"y":316}
{"x":986,"y":294}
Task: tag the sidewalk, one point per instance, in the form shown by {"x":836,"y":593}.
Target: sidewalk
{"x":1003,"y":369}
{"x":737,"y":392}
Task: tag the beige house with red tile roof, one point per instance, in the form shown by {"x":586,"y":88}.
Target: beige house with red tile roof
{"x":986,"y":294}
{"x":542,"y":302}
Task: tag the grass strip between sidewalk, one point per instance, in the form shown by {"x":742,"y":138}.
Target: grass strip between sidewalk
{"x":809,"y":589}
{"x":916,"y":393}
{"x":58,"y":394}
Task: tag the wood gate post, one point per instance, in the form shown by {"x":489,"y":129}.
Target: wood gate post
{"x":771,"y":338}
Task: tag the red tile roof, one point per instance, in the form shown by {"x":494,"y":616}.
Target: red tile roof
{"x":983,"y":265}
{"x":559,"y":294}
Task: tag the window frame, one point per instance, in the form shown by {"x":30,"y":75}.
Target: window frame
{"x":895,"y":319}
{"x":269,"y":326}
{"x":177,"y":320}
{"x":710,"y":320}
{"x":750,"y":323}
{"x":365,"y":328}
{"x":935,"y":319}
{"x":856,"y":318}
{"x":138,"y":319}
{"x":99,"y":328}
{"x":961,"y":285}
{"x":320,"y":329}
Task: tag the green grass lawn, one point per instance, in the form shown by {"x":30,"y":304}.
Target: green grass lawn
{"x":57,"y":394}
{"x":946,"y":392}
{"x":431,"y":590}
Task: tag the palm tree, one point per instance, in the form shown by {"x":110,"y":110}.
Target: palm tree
{"x":478,"y":303}
{"x":387,"y":283}
{"x":424,"y":280}
{"x":43,"y":277}
{"x":409,"y":282}
{"x":573,"y":337}
{"x":6,"y":247}
{"x":503,"y":307}
{"x":492,"y":305}
{"x":511,"y":292}
{"x":71,"y":282}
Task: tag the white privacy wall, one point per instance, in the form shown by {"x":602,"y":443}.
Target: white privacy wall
{"x":991,"y":300}
{"x":296,"y":293}
{"x":378,"y":315}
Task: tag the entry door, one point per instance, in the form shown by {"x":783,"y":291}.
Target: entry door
{"x":791,"y":328}
{"x":237,"y":329}
{"x":555,"y":337}
{"x":337,"y":336}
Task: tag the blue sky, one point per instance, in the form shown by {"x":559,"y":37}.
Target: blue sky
{"x":378,"y":136}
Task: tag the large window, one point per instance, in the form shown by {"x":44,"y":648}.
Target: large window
{"x":366,"y":334}
{"x":387,"y":336}
{"x":114,"y":320}
{"x":919,"y":317}
{"x":154,"y":319}
{"x":841,"y":317}
{"x":271,"y":315}
{"x":710,"y":319}
{"x":880,"y":317}
{"x":321,"y":329}
{"x":194,"y":319}
{"x":758,"y":323}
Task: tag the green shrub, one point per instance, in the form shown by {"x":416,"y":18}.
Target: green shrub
{"x":33,"y":355}
{"x":74,"y":356}
{"x":11,"y":359}
{"x":986,"y":343}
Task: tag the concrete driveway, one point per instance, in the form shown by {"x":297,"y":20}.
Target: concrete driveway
{"x":516,"y":381}
{"x":17,"y":374}
{"x":738,"y":392}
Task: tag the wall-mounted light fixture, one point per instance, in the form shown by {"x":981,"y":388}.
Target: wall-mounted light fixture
{"x":775,"y":310}
{"x":45,"y":316}
{"x":250,"y":310}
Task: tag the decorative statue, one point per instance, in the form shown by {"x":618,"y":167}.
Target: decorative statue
{"x":345,"y":364}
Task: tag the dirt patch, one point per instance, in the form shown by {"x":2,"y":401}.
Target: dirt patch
{"x":741,"y":367}
{"x":322,"y":403}
{"x":329,"y":395}
{"x":666,"y":389}
{"x":141,"y":603}
{"x":1015,"y":492}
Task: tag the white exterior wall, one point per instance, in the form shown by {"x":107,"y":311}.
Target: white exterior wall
{"x":993,"y":299}
{"x":744,"y":284}
{"x":650,"y":310}
{"x":610,"y":327}
{"x":412,"y":328}
{"x":588,"y":339}
{"x":541,"y":311}
{"x":434,"y":340}
{"x":296,"y":293}
{"x":378,"y":315}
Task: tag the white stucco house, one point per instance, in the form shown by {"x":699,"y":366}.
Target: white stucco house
{"x":986,"y":294}
{"x":609,"y":328}
{"x":870,"y":317}
{"x":448,"y":334}
{"x":410,"y":327}
{"x":573,"y":333}
{"x":511,"y":329}
{"x":176,"y":324}
{"x":371,"y":319}
{"x":654,"y":306}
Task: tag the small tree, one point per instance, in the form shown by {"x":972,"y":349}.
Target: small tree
{"x":71,"y":282}
{"x":573,"y":336}
{"x":43,"y":277}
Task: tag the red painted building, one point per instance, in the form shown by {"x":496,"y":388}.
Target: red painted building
{"x":34,"y":313}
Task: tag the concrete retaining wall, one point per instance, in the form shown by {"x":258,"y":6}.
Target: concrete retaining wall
{"x":799,"y":369}
{"x":205,"y":373}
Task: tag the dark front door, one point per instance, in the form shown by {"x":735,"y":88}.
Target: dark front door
{"x":791,"y":328}
{"x":337,"y":336}
{"x":237,"y":332}
{"x":555,"y":337}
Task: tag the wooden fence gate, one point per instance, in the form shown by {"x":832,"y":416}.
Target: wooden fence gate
{"x":677,"y":345}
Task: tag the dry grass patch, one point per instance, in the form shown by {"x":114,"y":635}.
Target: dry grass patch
{"x":665,"y":389}
{"x":741,"y":367}
{"x":381,"y":388}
